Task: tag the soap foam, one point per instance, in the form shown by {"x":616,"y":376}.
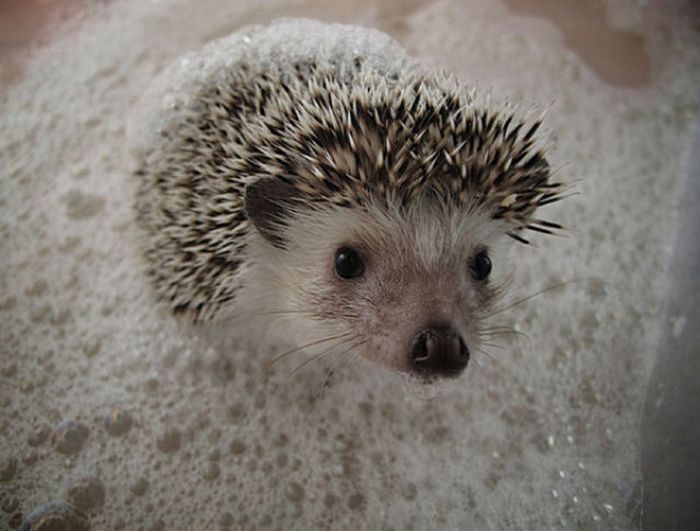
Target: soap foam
{"x":543,"y":433}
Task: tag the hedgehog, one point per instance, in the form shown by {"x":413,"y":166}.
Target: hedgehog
{"x":314,"y":178}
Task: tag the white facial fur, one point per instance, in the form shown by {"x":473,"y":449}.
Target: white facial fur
{"x":417,"y":272}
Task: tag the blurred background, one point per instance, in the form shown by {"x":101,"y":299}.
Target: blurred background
{"x":619,"y":57}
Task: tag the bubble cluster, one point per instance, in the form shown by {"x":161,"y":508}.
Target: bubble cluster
{"x":116,"y":416}
{"x":8,"y":467}
{"x":55,"y":516}
{"x":118,"y":422}
{"x":69,"y":436}
{"x":87,"y":494}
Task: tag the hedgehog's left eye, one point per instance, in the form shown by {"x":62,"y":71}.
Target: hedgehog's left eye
{"x":348,"y":263}
{"x":480,"y":266}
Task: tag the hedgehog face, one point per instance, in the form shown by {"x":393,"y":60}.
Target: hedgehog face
{"x":406,"y":287}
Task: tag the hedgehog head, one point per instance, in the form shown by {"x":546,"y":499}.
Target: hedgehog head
{"x":383,"y":211}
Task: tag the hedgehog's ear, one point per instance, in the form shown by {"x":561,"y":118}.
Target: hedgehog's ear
{"x":268,"y":204}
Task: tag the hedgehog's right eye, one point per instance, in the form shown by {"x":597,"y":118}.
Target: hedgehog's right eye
{"x":348,"y":263}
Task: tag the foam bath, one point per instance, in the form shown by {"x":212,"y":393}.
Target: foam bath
{"x":103,"y":392}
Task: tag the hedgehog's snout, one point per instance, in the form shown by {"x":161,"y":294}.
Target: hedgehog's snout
{"x":438,"y":351}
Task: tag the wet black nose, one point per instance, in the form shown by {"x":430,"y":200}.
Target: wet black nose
{"x":439,"y":351}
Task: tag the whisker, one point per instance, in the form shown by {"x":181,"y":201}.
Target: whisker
{"x":489,"y":356}
{"x":540,"y":292}
{"x":492,"y":345}
{"x":276,"y":386}
{"x":498,"y":328}
{"x":503,"y":286}
{"x":480,"y":372}
{"x":262,"y":313}
{"x":307,"y":345}
{"x":342,"y":356}
{"x":504,"y":333}
{"x":317,"y":356}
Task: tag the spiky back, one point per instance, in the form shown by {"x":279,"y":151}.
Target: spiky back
{"x":341,"y":134}
{"x":352,"y":138}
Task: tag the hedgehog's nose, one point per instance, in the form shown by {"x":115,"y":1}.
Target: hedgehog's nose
{"x":439,"y":351}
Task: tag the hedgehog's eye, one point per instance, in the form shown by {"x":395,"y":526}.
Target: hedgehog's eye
{"x":348,"y":263}
{"x":480,"y":266}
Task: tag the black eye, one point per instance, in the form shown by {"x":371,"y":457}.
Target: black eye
{"x":348,"y":263}
{"x":481,"y":266}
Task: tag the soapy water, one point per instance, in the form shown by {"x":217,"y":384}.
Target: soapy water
{"x":116,"y":416}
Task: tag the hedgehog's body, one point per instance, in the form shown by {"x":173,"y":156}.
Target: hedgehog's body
{"x":316,"y":173}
